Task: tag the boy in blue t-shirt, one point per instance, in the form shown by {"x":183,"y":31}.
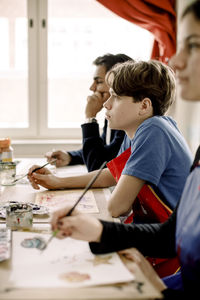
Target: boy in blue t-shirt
{"x":141,"y":92}
{"x":159,"y":155}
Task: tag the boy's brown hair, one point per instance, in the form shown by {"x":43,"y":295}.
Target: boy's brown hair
{"x":144,"y":79}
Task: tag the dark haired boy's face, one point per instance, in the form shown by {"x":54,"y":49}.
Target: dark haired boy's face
{"x":98,"y":84}
{"x":187,"y":60}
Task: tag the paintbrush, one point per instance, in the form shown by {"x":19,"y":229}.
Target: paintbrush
{"x":90,"y":183}
{"x":36,"y":169}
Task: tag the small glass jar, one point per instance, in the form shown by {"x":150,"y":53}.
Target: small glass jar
{"x":19,"y":215}
{"x":6,"y":151}
{"x":7,"y":173}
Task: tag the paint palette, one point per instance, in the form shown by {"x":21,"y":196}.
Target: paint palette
{"x":5,"y":239}
{"x":37,"y":209}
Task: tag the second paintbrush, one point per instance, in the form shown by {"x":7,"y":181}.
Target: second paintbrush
{"x":88,"y":186}
{"x":36,"y":169}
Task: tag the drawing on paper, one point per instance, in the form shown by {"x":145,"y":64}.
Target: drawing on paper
{"x":66,"y":259}
{"x":57,"y":199}
{"x":65,"y":263}
{"x":99,"y":260}
{"x":35,"y":242}
{"x":75,"y":276}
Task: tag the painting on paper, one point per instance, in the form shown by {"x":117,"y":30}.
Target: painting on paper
{"x":57,"y":199}
{"x":64,"y":263}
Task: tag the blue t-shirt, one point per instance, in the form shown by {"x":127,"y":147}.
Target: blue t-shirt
{"x":160,"y":156}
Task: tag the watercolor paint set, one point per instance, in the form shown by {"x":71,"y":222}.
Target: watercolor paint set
{"x":37,"y":209}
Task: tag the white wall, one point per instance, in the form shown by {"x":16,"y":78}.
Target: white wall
{"x":37,"y":148}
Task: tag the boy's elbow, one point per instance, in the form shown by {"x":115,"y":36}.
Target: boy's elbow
{"x":114,"y":212}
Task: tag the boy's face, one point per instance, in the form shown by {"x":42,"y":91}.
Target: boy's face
{"x":98,"y":84}
{"x":187,"y":60}
{"x":122,"y":113}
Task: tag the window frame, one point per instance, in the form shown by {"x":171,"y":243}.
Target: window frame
{"x":37,"y":14}
{"x":37,"y":11}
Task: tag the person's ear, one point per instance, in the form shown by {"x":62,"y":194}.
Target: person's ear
{"x":146,"y":106}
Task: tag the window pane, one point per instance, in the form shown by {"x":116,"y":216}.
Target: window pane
{"x":13,"y":64}
{"x":78,"y":32}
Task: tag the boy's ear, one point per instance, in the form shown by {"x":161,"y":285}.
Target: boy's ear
{"x":146,"y":106}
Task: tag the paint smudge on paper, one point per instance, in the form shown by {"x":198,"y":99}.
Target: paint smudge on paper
{"x":99,"y":260}
{"x":65,"y":259}
{"x":57,"y":199}
{"x":36,"y":242}
{"x":75,"y":277}
{"x":65,"y":263}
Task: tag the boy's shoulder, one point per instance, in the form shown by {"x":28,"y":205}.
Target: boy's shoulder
{"x":159,"y":121}
{"x":157,"y":125}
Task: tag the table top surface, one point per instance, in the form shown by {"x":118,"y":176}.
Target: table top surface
{"x":140,"y":288}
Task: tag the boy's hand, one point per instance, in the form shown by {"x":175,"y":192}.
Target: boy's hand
{"x":78,"y":226}
{"x":42,"y":177}
{"x":135,"y":256}
{"x":95,"y":104}
{"x":63,"y":158}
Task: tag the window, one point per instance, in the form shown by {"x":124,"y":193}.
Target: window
{"x":46,"y":62}
{"x":13,"y":65}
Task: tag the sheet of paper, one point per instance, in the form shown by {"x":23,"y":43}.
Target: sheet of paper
{"x":65,"y":263}
{"x":57,"y":199}
{"x":5,"y":239}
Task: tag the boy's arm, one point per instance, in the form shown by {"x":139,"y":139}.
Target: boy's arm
{"x":46,"y":179}
{"x":154,"y":240}
{"x":124,"y":195}
{"x":76,"y":157}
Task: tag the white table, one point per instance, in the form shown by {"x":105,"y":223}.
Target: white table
{"x":139,"y":289}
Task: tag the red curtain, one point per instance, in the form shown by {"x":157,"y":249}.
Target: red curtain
{"x":157,"y":16}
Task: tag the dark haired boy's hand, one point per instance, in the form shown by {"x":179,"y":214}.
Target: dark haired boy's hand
{"x":62,"y":157}
{"x":94,"y":104}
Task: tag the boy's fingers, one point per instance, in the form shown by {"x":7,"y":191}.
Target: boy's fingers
{"x":30,"y":171}
{"x":58,"y":215}
{"x":42,"y":177}
{"x":38,"y":176}
{"x":62,"y":235}
{"x":131,"y":254}
{"x":34,"y":185}
{"x":56,"y":154}
{"x":48,"y":154}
